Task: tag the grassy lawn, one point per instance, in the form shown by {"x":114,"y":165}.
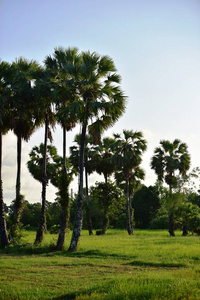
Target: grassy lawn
{"x":148,"y":265}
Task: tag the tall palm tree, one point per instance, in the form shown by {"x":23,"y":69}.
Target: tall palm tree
{"x":43,"y":88}
{"x":4,"y":127}
{"x":99,"y":104}
{"x":169,"y":161}
{"x":22,"y":120}
{"x":89,"y":168}
{"x":128,"y":156}
{"x":63,"y":67}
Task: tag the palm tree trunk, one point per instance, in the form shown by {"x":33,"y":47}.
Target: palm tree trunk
{"x":18,"y":200}
{"x":171,"y":215}
{"x":130,"y":208}
{"x":42,"y":226}
{"x":105,"y":215}
{"x":18,"y":203}
{"x":64,"y":215}
{"x":3,"y":231}
{"x":89,"y":221}
{"x":64,"y":220}
{"x":129,"y":221}
{"x":18,"y":180}
{"x":64,"y":150}
{"x":131,"y":215}
{"x":79,"y":210}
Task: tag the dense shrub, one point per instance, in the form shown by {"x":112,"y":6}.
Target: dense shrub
{"x":145,"y":203}
{"x":159,"y":223}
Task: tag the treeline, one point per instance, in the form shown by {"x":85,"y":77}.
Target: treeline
{"x":149,"y":206}
{"x":75,"y":88}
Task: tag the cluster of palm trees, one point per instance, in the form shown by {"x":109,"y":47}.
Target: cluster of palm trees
{"x":119,"y":156}
{"x":76,"y":88}
{"x":71,"y":88}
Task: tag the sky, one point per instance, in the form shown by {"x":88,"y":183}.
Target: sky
{"x":155,"y":46}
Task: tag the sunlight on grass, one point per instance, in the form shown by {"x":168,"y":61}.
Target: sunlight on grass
{"x":148,"y":265}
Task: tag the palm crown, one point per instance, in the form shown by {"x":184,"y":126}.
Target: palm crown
{"x":169,"y":159}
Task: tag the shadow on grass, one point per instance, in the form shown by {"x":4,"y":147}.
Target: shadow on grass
{"x":27,"y":250}
{"x":99,"y":290}
{"x":71,"y":296}
{"x":155,"y":265}
{"x":52,"y":252}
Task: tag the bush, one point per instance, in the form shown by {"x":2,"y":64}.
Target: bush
{"x":194,"y":225}
{"x":159,"y":223}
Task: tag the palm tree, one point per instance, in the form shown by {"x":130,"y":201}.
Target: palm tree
{"x":63,"y":67}
{"x":43,"y":93}
{"x":4,"y":127}
{"x":22,"y":120}
{"x":54,"y":171}
{"x":128,"y":156}
{"x":89,"y":168}
{"x":169,"y":161}
{"x":35,"y":163}
{"x":100,"y":102}
{"x":103,"y":159}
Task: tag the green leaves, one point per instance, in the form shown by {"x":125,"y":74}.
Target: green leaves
{"x":54,"y":165}
{"x":129,"y":150}
{"x":169,"y":159}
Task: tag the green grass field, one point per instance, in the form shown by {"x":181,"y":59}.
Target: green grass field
{"x":148,"y":265}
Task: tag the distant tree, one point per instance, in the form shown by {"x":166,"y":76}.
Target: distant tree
{"x":31,"y":214}
{"x":128,"y":156}
{"x":111,"y":201}
{"x":189,"y":185}
{"x":194,"y":198}
{"x":188,"y":217}
{"x":171,"y":160}
{"x":104,"y":164}
{"x":53,"y":214}
{"x":145,"y":203}
{"x":187,"y":210}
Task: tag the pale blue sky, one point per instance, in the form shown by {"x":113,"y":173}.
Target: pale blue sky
{"x":155,"y":46}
